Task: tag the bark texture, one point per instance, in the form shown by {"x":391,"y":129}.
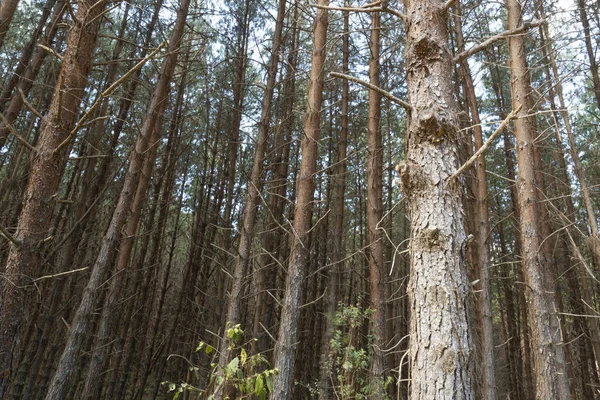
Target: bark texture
{"x":285,"y":348}
{"x":7,"y":11}
{"x":482,"y":230}
{"x":23,"y":264}
{"x":83,"y":316}
{"x":374,"y":213}
{"x":441,"y":344}
{"x":547,"y":385}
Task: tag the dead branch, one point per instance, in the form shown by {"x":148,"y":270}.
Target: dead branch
{"x":379,"y":90}
{"x":477,"y":48}
{"x":487,"y":144}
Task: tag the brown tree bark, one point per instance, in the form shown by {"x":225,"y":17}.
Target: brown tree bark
{"x":50,"y":159}
{"x":149,"y":134}
{"x":539,"y":312}
{"x":252,"y":198}
{"x":482,"y":230}
{"x":441,"y":343}
{"x":288,"y":325}
{"x":374,"y":214}
{"x":7,"y":11}
{"x":589,"y":49}
{"x":27,"y":53}
{"x":337,"y":229}
{"x":24,"y":85}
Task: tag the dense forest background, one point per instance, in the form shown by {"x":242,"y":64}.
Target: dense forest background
{"x":289,"y":199}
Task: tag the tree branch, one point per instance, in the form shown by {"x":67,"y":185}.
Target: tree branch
{"x":479,"y":47}
{"x":487,"y":144}
{"x":379,"y":90}
{"x":107,"y":93}
{"x":8,"y":236}
{"x":60,"y":274}
{"x":15,"y":134}
{"x":369,"y":8}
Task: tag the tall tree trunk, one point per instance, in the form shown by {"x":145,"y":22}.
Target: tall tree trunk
{"x":81,"y":322}
{"x":589,"y":49}
{"x":482,"y":230}
{"x":374,"y":213}
{"x":539,"y":312}
{"x":253,"y":196}
{"x":24,"y":85}
{"x":7,"y":11}
{"x":23,"y":264}
{"x":290,"y":311}
{"x":27,"y":53}
{"x":337,"y":230}
{"x":441,"y":343}
{"x":594,"y":240}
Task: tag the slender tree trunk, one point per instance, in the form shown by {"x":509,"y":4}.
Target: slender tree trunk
{"x":337,"y":230}
{"x":540,"y":314}
{"x":7,"y":11}
{"x":253,"y":196}
{"x":590,"y":49}
{"x":81,"y":322}
{"x":374,"y":213}
{"x":482,"y":230}
{"x":50,"y":159}
{"x":27,"y":53}
{"x":290,"y":311}
{"x":554,"y":78}
{"x":441,"y":343}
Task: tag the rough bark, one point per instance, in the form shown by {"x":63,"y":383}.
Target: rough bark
{"x":49,"y":162}
{"x":539,"y":312}
{"x":290,"y":312}
{"x":441,"y":344}
{"x":81,"y":322}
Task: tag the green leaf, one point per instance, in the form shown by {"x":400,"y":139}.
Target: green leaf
{"x":259,"y":386}
{"x":209,"y":349}
{"x":269,"y":380}
{"x":172,"y":387}
{"x":232,"y":367}
{"x":243,"y":356}
{"x":200,"y":345}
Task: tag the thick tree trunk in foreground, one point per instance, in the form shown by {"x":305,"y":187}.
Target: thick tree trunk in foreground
{"x":441,"y":343}
{"x":285,"y":348}
{"x":81,"y":322}
{"x":50,"y":159}
{"x":539,"y":313}
{"x":482,"y":230}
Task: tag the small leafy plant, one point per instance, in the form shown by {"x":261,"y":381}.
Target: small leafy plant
{"x":250,"y":376}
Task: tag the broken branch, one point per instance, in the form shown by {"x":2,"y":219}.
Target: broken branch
{"x":487,"y":144}
{"x":477,"y":48}
{"x":379,"y":90}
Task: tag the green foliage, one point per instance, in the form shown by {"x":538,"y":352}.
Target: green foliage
{"x":249,"y":375}
{"x":349,"y":361}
